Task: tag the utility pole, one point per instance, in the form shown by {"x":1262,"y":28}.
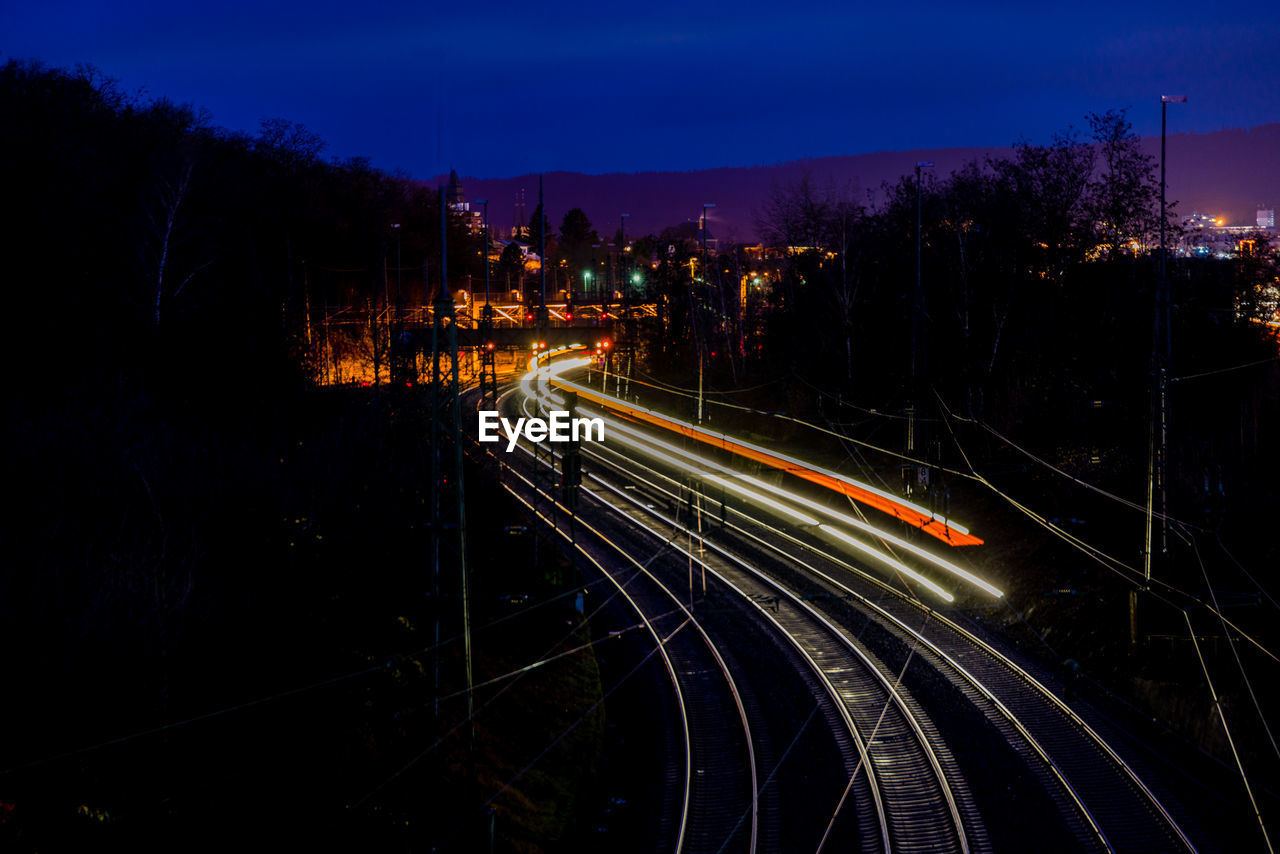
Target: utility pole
{"x":693,"y":312}
{"x":544,"y":457}
{"x":627,"y":333}
{"x":622,"y":249}
{"x":571,"y":458}
{"x":446,"y":462}
{"x":911,"y":471}
{"x":542,"y":319}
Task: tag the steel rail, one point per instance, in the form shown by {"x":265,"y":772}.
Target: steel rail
{"x":972,"y":641}
{"x":662,"y":648}
{"x":1002,"y":660}
{"x":791,"y":630}
{"x":710,"y":645}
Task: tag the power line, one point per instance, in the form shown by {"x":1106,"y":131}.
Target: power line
{"x":1217,"y":704}
{"x":1235,"y":653}
{"x":1224,"y":370}
{"x":1113,"y":564}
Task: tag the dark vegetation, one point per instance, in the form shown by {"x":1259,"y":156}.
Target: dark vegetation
{"x":1039,"y":277}
{"x":199,"y":525}
{"x":198,"y":530}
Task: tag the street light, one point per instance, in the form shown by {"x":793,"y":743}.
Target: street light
{"x":1165,"y":101}
{"x":587,"y":275}
{"x":622,"y":242}
{"x":1162,"y":345}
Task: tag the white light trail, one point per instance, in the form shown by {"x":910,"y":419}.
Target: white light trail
{"x":616,"y":428}
{"x":767,"y":502}
{"x":888,"y":496}
{"x":889,"y":561}
{"x":639,"y":440}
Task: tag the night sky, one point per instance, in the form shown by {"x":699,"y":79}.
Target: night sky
{"x":497,"y":89}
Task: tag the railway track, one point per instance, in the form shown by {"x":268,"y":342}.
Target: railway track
{"x":714,"y":808}
{"x":1104,"y":803}
{"x":899,"y":779}
{"x":897,"y":795}
{"x":889,"y":666}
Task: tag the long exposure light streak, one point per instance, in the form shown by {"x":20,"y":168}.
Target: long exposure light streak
{"x":946,"y":565}
{"x":931,"y":523}
{"x":672,"y":454}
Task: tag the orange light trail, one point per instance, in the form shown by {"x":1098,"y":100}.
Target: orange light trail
{"x":917,"y":518}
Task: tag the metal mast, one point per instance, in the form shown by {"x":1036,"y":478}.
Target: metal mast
{"x":447,"y":498}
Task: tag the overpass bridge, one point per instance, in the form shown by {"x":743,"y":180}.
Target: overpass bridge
{"x":514,"y":324}
{"x":517,"y":337}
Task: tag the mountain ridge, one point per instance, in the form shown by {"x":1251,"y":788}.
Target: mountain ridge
{"x":1229,"y":173}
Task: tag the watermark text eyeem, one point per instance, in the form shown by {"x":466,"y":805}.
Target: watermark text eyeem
{"x":560,"y":426}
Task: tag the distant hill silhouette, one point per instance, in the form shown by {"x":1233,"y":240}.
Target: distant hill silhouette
{"x":1228,"y":173}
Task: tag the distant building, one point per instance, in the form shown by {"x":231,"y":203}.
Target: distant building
{"x":1267,"y":218}
{"x":1208,"y":236}
{"x":456,"y":199}
{"x":1199,"y":222}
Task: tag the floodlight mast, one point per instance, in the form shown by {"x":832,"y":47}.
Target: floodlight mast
{"x":1161,"y":357}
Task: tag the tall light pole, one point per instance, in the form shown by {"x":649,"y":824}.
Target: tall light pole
{"x":542,"y":248}
{"x":609,"y":271}
{"x":1161,"y":356}
{"x":591,"y":270}
{"x":622,"y":248}
{"x":917,"y":329}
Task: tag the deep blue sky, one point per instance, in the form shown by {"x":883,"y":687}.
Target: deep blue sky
{"x":497,"y":89}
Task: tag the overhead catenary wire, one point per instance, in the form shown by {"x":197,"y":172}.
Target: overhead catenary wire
{"x":387,"y":663}
{"x":676,"y":390}
{"x":826,"y":834}
{"x":1111,"y":563}
{"x":564,"y":733}
{"x":691,"y":392}
{"x":468,"y":718}
{"x":1217,"y":704}
{"x":772,"y":772}
{"x":1235,"y":653}
{"x":1246,"y":572}
{"x":1187,"y":526}
{"x":1225,"y":370}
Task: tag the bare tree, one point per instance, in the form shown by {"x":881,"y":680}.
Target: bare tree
{"x":795,"y":215}
{"x":160,"y":249}
{"x":1123,"y":196}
